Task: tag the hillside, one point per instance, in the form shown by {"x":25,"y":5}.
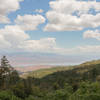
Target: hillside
{"x":45,"y":71}
{"x":40,"y":73}
{"x":89,"y":71}
{"x":48,"y":78}
{"x":94,"y":62}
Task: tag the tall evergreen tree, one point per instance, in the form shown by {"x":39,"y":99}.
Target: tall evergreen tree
{"x":7,"y":74}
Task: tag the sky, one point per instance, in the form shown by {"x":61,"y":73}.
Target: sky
{"x":56,"y":32}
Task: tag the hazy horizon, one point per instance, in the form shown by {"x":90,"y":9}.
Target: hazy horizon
{"x":28,"y":60}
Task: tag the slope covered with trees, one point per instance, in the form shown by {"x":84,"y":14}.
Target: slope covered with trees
{"x":46,"y":71}
{"x":80,"y":82}
{"x":84,"y":67}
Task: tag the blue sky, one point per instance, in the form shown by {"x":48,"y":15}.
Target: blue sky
{"x":45,"y":27}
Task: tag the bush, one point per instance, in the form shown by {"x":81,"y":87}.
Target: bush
{"x":7,"y":95}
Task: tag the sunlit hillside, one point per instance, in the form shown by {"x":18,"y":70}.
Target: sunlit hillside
{"x":84,"y":67}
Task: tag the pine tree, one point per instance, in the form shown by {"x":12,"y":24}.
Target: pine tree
{"x":5,"y":68}
{"x":7,"y":73}
{"x":4,"y":61}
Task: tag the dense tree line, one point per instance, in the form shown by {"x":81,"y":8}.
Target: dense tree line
{"x":72,"y":84}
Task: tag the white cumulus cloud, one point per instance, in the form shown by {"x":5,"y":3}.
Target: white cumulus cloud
{"x":39,"y":10}
{"x":3,"y":43}
{"x":92,"y":34}
{"x":72,"y":15}
{"x":14,"y":38}
{"x":13,"y":34}
{"x":7,"y":6}
{"x":29,"y":22}
{"x":42,"y":45}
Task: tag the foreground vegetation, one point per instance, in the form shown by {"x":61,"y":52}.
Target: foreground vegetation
{"x":80,"y":82}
